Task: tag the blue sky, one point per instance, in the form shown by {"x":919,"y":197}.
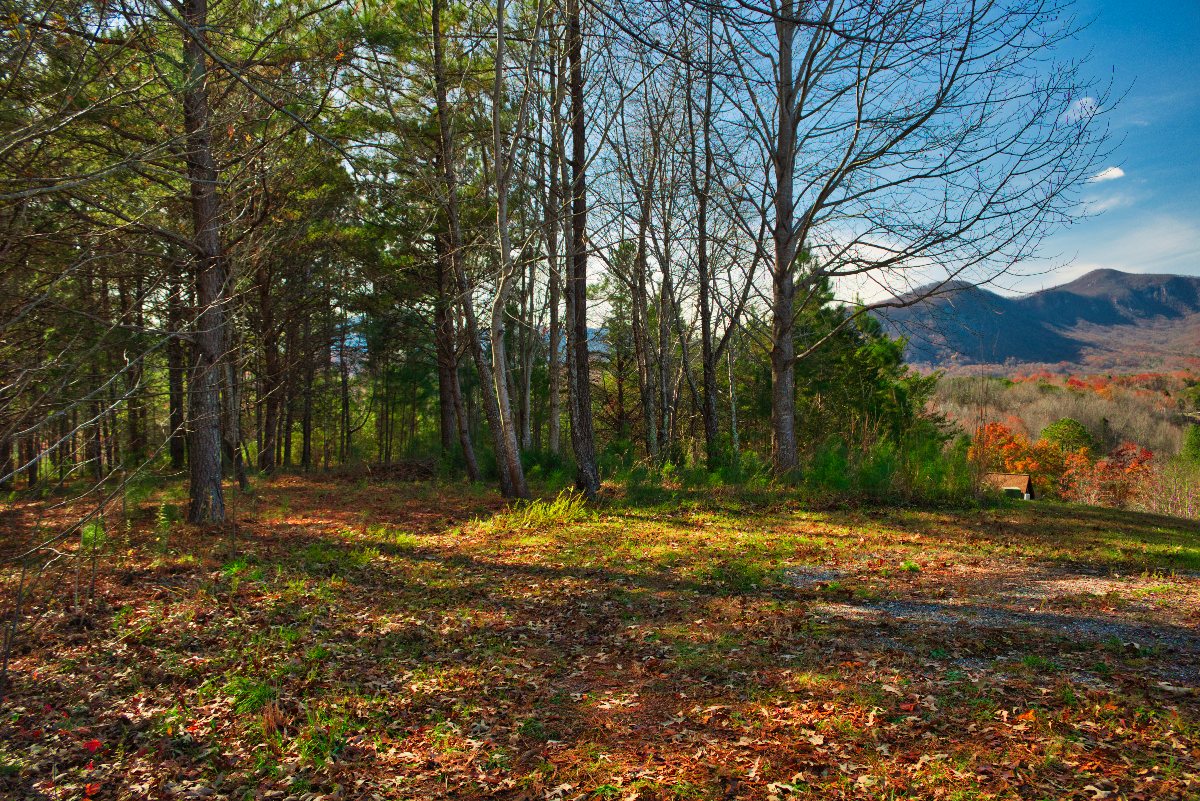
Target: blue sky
{"x":1146,"y":202}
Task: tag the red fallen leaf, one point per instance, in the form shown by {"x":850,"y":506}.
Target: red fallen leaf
{"x":91,"y":765}
{"x":907,"y":707}
{"x":91,"y":789}
{"x":92,"y":745}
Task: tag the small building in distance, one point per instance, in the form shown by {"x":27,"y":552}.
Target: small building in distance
{"x":1019,"y":484}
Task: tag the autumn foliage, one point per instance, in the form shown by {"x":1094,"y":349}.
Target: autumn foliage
{"x":1074,"y":475}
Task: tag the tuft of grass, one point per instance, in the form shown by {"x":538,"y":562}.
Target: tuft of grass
{"x":249,"y":695}
{"x":323,"y":736}
{"x":1040,"y":664}
{"x":567,"y":507}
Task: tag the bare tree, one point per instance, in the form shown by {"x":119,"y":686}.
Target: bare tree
{"x":905,"y":144}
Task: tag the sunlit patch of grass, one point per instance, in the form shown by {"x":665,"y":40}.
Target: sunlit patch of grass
{"x":737,"y":575}
{"x":567,"y":507}
{"x":325,"y":558}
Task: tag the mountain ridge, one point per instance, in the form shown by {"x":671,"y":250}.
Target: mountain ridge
{"x":1105,"y":319}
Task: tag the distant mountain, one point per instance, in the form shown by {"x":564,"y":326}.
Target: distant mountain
{"x":1105,"y":320}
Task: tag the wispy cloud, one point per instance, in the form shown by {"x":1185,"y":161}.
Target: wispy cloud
{"x":1107,"y":203}
{"x":1107,"y":174}
{"x":1151,"y":243}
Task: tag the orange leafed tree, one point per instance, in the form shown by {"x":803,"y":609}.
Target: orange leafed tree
{"x":998,"y":448}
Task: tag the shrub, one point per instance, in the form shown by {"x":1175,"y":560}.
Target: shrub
{"x":830,"y":468}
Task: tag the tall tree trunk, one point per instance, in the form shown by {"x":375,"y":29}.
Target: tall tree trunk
{"x":734,"y":445}
{"x":176,"y":370}
{"x":454,"y":420}
{"x":207,"y":500}
{"x":553,"y":214}
{"x":272,"y":395}
{"x":6,"y":462}
{"x":346,"y":442}
{"x":666,"y":394}
{"x":490,"y":406}
{"x":308,"y":354}
{"x":528,"y":329}
{"x":133,"y":373}
{"x":231,"y":423}
{"x":783,"y":287}
{"x":511,"y":452}
{"x":582,"y":434}
{"x":31,"y":459}
{"x":640,"y":328}
{"x":701,"y":184}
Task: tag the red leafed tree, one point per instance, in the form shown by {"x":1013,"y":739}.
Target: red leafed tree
{"x":1111,"y":481}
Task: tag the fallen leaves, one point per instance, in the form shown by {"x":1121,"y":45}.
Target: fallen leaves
{"x":588,"y":663}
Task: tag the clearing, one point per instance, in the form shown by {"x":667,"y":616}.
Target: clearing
{"x":355,"y":639}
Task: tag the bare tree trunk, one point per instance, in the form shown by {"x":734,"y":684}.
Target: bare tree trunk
{"x":6,"y":463}
{"x":582,"y":436}
{"x":346,"y":441}
{"x":231,"y":425}
{"x":454,"y":417}
{"x":701,"y":185}
{"x":134,"y":413}
{"x":309,"y":355}
{"x":735,"y":446}
{"x":511,"y":453}
{"x":554,"y":432}
{"x":640,"y":329}
{"x":490,"y":405}
{"x":783,"y":287}
{"x":207,"y":500}
{"x":31,"y":458}
{"x":553,"y":214}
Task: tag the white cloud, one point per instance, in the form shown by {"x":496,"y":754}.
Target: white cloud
{"x":1107,"y":174}
{"x":1082,"y":109}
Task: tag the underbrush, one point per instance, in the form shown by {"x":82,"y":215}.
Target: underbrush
{"x":924,"y":470}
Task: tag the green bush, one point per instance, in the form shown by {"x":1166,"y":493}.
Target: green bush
{"x":830,"y":469}
{"x":1069,"y":435}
